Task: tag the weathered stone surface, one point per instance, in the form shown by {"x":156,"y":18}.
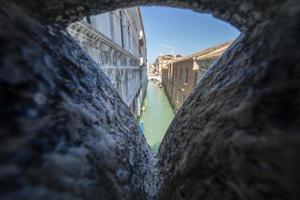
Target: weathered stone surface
{"x":237,"y":135}
{"x":67,"y":135}
{"x":65,"y":132}
{"x":244,"y":14}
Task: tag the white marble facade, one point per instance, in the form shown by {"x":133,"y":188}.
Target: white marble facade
{"x":116,"y":41}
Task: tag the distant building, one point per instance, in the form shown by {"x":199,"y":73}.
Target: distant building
{"x":151,"y":69}
{"x":162,"y":61}
{"x":116,"y":41}
{"x":181,"y":75}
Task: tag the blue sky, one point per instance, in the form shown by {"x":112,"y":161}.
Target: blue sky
{"x":185,"y":30}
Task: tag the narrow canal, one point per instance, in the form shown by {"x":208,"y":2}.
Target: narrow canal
{"x":157,"y":116}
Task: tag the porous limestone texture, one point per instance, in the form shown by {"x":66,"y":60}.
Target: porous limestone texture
{"x":237,"y":136}
{"x":66,"y":134}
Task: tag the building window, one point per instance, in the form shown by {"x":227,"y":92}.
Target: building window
{"x":111,"y":24}
{"x":129,"y":39}
{"x":196,"y":78}
{"x":186,"y":75}
{"x":88,"y":20}
{"x":121,"y":24}
{"x":180,"y":74}
{"x":175,"y":73}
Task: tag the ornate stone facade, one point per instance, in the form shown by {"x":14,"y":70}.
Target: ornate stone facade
{"x":116,"y":41}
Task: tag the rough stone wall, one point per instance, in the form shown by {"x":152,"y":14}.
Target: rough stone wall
{"x":66,"y":134}
{"x":244,"y":14}
{"x":237,"y":135}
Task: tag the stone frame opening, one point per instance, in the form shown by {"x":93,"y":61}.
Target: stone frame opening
{"x":236,"y":137}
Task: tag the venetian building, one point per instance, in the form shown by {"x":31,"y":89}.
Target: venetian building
{"x":162,"y":61}
{"x":181,"y":75}
{"x":206,"y":58}
{"x":116,"y":41}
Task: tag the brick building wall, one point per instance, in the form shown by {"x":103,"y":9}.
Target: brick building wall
{"x":183,"y":82}
{"x":180,"y":76}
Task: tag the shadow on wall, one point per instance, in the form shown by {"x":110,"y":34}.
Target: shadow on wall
{"x":66,"y":134}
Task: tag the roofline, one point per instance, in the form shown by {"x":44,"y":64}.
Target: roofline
{"x":199,"y":53}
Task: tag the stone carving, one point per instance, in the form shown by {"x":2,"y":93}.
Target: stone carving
{"x":123,"y":61}
{"x":91,"y":37}
{"x":67,"y":135}
{"x":111,"y":56}
{"x":115,"y":58}
{"x":107,"y":57}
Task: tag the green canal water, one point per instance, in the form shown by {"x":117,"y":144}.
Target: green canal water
{"x":158,"y":115}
